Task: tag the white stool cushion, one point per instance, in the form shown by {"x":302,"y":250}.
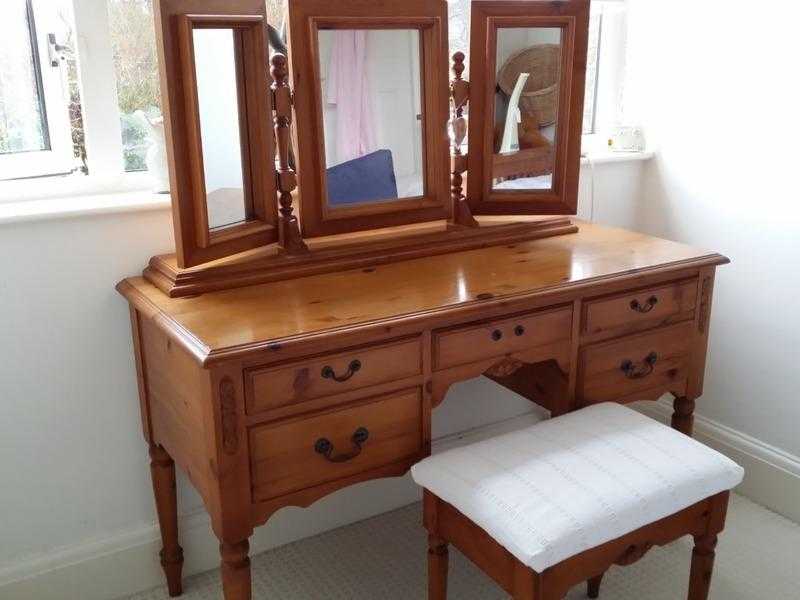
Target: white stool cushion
{"x":568,"y":484}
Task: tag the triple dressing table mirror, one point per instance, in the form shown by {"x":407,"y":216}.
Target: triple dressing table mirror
{"x":354,"y":235}
{"x":368,"y":137}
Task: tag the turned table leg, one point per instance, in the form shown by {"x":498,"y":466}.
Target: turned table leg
{"x":593,"y":586}
{"x":683,"y":415}
{"x":702,"y":566}
{"x":437,"y":568}
{"x":235,"y":570}
{"x":162,"y":470}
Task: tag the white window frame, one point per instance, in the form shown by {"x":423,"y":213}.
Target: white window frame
{"x":610,"y":75}
{"x":98,"y":85}
{"x":58,"y":159}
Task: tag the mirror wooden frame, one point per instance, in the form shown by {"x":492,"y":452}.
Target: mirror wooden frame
{"x":572,"y":17}
{"x":176,"y":20}
{"x":306,"y":18}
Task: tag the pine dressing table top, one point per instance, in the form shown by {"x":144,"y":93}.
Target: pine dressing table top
{"x":231,"y":323}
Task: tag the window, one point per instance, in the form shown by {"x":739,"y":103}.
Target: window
{"x":35,"y":131}
{"x":53,"y":121}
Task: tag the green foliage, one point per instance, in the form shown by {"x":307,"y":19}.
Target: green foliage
{"x":133,"y":44}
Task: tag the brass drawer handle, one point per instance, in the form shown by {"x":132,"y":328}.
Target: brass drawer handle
{"x":325,"y":447}
{"x":646,"y":307}
{"x":633,"y":372}
{"x":519,"y":330}
{"x":497,"y":335}
{"x":329,"y":373}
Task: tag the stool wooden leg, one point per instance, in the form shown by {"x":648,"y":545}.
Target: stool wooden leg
{"x":438,"y":556}
{"x":162,"y":471}
{"x":702,"y":566}
{"x":683,"y":415}
{"x":593,"y":586}
{"x":235,"y":570}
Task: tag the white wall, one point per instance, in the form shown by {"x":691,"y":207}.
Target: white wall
{"x":715,"y":84}
{"x":76,"y":487}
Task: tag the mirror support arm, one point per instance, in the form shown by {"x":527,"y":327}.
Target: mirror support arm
{"x":290,"y":241}
{"x":459,"y":98}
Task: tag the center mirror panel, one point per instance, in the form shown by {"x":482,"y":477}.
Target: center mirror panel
{"x":371,"y":94}
{"x":218,"y":84}
{"x":528,"y":79}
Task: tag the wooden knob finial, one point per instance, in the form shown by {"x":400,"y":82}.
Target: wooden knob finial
{"x":458,"y":64}
{"x":280,"y":70}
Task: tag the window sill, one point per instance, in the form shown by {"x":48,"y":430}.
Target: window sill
{"x":606,"y":156}
{"x":78,"y":206}
{"x":74,"y":196}
{"x":34,"y":204}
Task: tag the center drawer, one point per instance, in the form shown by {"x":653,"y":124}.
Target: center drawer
{"x":301,"y":453}
{"x":496,"y":338}
{"x":273,"y":387}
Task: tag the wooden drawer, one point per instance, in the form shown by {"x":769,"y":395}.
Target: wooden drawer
{"x":286,"y":457}
{"x":269,"y":388}
{"x":650,"y":307}
{"x":636,"y":367}
{"x":496,"y":338}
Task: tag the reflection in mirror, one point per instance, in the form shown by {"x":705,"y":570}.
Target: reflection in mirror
{"x":218,"y":105}
{"x":526,"y":105}
{"x":372,"y":114}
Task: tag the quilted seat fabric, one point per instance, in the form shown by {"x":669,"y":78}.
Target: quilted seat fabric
{"x":562,"y":486}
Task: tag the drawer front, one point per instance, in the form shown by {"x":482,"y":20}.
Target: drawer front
{"x":302,"y":453}
{"x":646,"y":364}
{"x":495,"y":338}
{"x":322,"y":376}
{"x":640,"y":309}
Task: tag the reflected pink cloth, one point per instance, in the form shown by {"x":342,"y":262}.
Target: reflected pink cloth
{"x":348,"y":89}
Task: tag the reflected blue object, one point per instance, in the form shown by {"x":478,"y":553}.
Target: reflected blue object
{"x":368,"y":178}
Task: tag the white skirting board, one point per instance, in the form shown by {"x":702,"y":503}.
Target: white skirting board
{"x":772,"y":476}
{"x":128,"y":562}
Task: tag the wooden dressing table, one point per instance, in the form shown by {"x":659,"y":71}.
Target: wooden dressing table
{"x":280,"y":393}
{"x":300,"y":346}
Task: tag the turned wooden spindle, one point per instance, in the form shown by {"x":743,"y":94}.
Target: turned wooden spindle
{"x":702,"y":566}
{"x":593,"y":586}
{"x":459,"y":97}
{"x":236,"y":578}
{"x":162,"y":469}
{"x":683,"y":415}
{"x":290,"y":240}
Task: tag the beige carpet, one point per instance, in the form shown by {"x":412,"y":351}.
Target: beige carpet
{"x":383,"y":558}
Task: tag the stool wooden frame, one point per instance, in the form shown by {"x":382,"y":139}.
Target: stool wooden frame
{"x":446,"y":525}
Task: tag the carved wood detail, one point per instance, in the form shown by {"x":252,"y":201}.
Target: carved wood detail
{"x":290,"y":239}
{"x":227,"y":399}
{"x":504,"y":368}
{"x":633,"y":553}
{"x":459,"y":98}
{"x":705,"y":305}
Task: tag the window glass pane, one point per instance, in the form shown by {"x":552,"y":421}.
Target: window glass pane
{"x":591,"y":70}
{"x":133,"y":43}
{"x":23,"y":125}
{"x":136,"y":62}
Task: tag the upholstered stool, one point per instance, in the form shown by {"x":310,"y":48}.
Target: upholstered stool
{"x":544,"y":508}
